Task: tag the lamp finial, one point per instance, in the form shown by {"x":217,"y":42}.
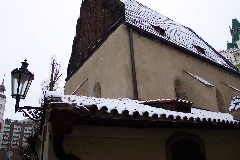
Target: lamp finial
{"x":24,"y":64}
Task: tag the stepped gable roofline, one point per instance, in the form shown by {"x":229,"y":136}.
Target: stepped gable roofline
{"x":145,"y":19}
{"x":127,"y":109}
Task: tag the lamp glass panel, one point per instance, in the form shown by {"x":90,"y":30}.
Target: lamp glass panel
{"x":15,"y":80}
{"x":24,"y":84}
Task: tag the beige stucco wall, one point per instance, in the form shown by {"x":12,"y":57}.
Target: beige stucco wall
{"x":111,"y":143}
{"x":157,"y":67}
{"x":109,"y":65}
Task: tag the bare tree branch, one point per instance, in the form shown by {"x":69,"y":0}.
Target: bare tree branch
{"x":52,"y":83}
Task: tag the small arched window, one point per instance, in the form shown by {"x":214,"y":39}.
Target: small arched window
{"x":185,"y":146}
{"x":180,"y":90}
{"x":97,"y":90}
{"x":220,"y":101}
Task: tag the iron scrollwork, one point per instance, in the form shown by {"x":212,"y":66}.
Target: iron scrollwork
{"x":33,"y":113}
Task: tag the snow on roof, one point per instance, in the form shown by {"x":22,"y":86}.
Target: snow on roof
{"x":235,"y":103}
{"x":125,"y":105}
{"x":168,"y":100}
{"x":146,"y":19}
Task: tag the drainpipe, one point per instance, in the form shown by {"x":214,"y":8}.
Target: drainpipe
{"x":134,"y":75}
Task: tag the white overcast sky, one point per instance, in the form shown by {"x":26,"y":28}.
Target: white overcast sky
{"x":37,"y":29}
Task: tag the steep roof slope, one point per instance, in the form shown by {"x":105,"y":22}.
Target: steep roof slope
{"x":144,"y":18}
{"x":99,"y":18}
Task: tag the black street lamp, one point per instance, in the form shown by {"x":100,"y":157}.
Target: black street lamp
{"x":21,"y":81}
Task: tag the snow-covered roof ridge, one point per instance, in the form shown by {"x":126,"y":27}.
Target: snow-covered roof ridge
{"x":126,"y":105}
{"x":235,"y":103}
{"x":144,"y":18}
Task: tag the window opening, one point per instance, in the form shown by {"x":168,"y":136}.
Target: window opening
{"x":185,"y":146}
{"x":186,"y":149}
{"x":159,"y":30}
{"x":97,"y":90}
{"x":200,"y":49}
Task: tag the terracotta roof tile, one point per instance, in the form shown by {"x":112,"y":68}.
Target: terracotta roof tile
{"x":130,"y":107}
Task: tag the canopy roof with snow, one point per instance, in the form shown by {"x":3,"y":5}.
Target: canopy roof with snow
{"x":136,"y":110}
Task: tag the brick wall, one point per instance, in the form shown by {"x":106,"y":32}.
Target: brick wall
{"x":97,"y":17}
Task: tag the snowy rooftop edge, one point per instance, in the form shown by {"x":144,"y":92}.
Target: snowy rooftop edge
{"x":146,"y":19}
{"x":132,"y":106}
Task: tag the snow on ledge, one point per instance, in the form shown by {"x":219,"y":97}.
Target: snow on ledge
{"x":233,"y":88}
{"x":200,"y":79}
{"x":54,"y":94}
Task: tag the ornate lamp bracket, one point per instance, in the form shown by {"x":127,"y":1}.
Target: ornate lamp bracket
{"x":34,"y":113}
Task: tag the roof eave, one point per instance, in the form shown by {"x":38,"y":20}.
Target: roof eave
{"x":60,"y":117}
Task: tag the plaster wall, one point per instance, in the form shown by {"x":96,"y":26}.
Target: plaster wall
{"x":109,"y":65}
{"x":158,"y":66}
{"x":112,"y":143}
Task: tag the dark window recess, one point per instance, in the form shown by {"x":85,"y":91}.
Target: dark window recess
{"x":180,"y":89}
{"x":97,"y":90}
{"x":159,"y":30}
{"x":173,"y":105}
{"x":185,"y":146}
{"x":200,"y":49}
{"x":220,"y":101}
{"x":186,"y":149}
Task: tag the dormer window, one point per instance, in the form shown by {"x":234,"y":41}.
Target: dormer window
{"x":200,"y":49}
{"x":159,"y":30}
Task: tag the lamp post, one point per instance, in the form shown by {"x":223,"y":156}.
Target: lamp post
{"x":21,"y":81}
